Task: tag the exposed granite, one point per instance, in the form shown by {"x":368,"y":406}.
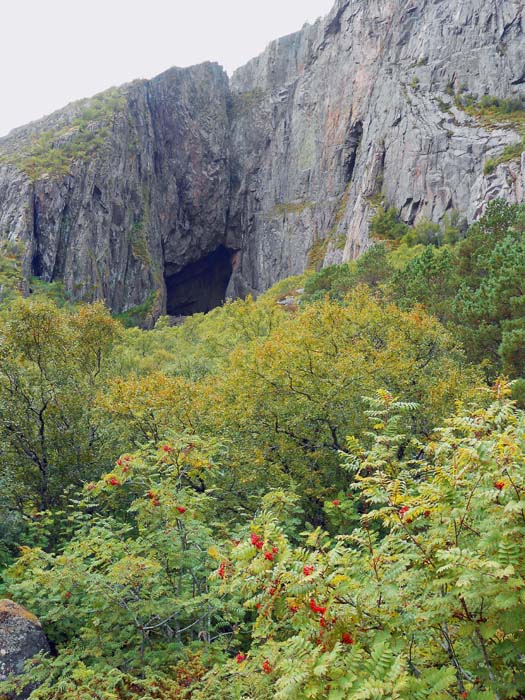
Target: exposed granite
{"x":278,"y":166}
{"x":150,"y":200}
{"x":353,"y":106}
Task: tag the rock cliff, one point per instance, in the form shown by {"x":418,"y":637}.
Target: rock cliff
{"x":172,"y":192}
{"x":116,"y":194}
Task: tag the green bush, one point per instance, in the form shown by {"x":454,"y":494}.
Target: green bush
{"x":423,"y":599}
{"x":387,"y":225}
{"x":509,"y":154}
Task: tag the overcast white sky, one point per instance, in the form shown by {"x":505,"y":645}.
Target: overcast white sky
{"x":56,"y":51}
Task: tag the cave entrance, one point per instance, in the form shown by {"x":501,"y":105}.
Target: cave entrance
{"x":200,"y":286}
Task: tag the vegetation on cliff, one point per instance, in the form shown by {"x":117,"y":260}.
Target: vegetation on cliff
{"x":53,"y":152}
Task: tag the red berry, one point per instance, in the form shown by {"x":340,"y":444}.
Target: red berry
{"x":274,"y":550}
{"x":254,"y":538}
{"x":114,"y":481}
{"x":258,"y":606}
{"x":151,"y":494}
{"x":427,"y":514}
{"x":500,"y":485}
{"x":293,"y":607}
{"x":347,"y":638}
{"x":464,"y":694}
{"x":267,"y":667}
{"x":269,"y":556}
{"x":68,"y":595}
{"x":119,"y":462}
{"x":322,"y":622}
{"x":403,"y":510}
{"x":167,"y":448}
{"x":336,"y":503}
{"x":308,"y":570}
{"x":319,"y":609}
{"x":240,"y":658}
{"x":222,"y":570}
{"x":256,"y":541}
{"x":181,"y":509}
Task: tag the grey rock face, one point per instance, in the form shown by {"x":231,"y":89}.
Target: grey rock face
{"x":151,"y":199}
{"x":355,"y":106}
{"x":21,"y":638}
{"x":198,"y":181}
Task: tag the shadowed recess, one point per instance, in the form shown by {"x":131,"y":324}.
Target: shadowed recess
{"x":200,"y":286}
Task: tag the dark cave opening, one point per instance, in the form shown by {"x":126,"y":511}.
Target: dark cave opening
{"x":200,"y":286}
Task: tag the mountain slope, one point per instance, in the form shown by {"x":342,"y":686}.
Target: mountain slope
{"x":166,"y":192}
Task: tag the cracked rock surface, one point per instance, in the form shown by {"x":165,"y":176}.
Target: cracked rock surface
{"x":277,"y":166}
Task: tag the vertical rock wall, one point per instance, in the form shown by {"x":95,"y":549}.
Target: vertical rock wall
{"x":126,"y":197}
{"x":360,"y":104}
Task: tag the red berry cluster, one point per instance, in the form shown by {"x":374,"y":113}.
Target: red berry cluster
{"x":270,"y":556}
{"x":124,"y":463}
{"x":347,"y":638}
{"x":319,"y":609}
{"x":256,"y":541}
{"x":308,"y":570}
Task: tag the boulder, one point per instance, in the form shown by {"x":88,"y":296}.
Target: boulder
{"x":21,"y":638}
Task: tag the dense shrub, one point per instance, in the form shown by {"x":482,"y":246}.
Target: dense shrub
{"x":215,"y":510}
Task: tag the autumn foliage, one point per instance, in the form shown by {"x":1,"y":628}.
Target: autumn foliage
{"x":322,"y":502}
